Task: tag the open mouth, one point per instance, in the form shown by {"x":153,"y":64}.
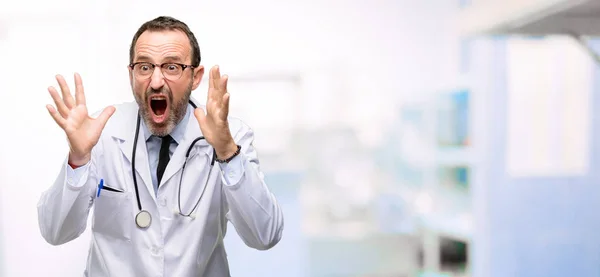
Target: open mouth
{"x":159,"y":106}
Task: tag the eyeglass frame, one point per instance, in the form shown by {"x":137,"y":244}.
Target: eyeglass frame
{"x":154,"y":65}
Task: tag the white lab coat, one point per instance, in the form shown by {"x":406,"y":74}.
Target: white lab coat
{"x":173,"y":245}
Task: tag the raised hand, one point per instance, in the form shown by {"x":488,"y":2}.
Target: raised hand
{"x":213,"y":124}
{"x":83,"y":131}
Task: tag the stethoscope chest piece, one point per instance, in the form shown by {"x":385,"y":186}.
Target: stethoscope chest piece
{"x":143,"y":219}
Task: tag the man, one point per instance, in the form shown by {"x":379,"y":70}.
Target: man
{"x":159,"y":207}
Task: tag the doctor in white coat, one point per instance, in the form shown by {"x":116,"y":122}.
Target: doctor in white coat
{"x":161,"y":177}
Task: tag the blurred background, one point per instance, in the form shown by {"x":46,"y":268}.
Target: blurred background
{"x":401,"y":138}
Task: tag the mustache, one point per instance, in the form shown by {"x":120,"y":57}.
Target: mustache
{"x":163,"y":91}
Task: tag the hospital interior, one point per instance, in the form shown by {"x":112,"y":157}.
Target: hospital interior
{"x":401,"y":138}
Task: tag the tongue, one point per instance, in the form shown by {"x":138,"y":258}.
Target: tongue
{"x":158,"y":106}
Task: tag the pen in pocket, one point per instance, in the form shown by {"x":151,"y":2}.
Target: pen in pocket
{"x":101,"y":186}
{"x":111,"y":189}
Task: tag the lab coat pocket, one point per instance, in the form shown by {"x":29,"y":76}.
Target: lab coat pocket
{"x":112,"y":215}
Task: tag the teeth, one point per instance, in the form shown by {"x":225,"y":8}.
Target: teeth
{"x":159,"y":98}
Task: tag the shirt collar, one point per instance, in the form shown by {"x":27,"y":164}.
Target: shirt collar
{"x":177,"y":133}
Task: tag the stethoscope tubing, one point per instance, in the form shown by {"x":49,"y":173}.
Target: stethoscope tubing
{"x":133,"y":172}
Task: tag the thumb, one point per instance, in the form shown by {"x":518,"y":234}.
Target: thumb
{"x":105,"y":115}
{"x":200,"y":116}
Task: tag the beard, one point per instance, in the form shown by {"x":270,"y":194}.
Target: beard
{"x":176,"y":110}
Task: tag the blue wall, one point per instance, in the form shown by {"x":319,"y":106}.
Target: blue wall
{"x":538,"y":226}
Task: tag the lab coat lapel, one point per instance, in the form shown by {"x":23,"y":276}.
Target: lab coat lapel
{"x":200,"y":147}
{"x":126,"y":136}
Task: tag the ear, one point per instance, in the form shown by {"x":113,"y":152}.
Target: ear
{"x":198,"y":73}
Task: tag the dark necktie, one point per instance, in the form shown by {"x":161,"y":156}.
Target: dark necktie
{"x":163,"y":157}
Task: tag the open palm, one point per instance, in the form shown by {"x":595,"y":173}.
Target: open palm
{"x":71,"y":114}
{"x":214,"y":124}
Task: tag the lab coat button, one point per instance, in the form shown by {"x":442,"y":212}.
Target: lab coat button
{"x":163,"y":202}
{"x":231,"y":174}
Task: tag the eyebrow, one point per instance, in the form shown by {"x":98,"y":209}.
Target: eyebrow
{"x":173,"y":59}
{"x":142,"y":59}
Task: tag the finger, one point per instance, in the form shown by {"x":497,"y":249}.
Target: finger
{"x":60,"y":105}
{"x":214,"y":93}
{"x":219,"y":86}
{"x":105,"y":115}
{"x":211,"y":73}
{"x":215,"y":76}
{"x":66,"y":93}
{"x":56,"y":116}
{"x":225,"y":106}
{"x":211,"y":86}
{"x":200,"y":116}
{"x":79,"y":95}
{"x":224,"y":80}
{"x":222,"y":85}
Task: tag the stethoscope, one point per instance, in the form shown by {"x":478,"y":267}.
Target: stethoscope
{"x":143,"y":219}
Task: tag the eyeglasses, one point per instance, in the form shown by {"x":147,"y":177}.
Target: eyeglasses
{"x":171,"y":71}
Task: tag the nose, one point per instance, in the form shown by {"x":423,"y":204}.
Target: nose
{"x":157,"y":79}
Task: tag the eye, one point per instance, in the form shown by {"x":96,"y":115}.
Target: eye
{"x":144,"y":67}
{"x":172,"y":67}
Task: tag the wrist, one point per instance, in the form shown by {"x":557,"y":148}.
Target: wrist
{"x":78,"y":160}
{"x":226,"y":151}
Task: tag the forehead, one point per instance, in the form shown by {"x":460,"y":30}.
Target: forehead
{"x":158,"y":45}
